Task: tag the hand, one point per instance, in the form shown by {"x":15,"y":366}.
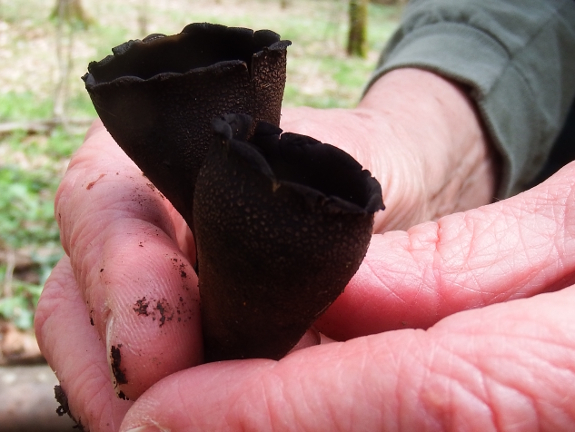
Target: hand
{"x":503,"y":366}
{"x":118,"y":223}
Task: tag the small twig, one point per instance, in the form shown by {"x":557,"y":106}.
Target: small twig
{"x":143,"y":20}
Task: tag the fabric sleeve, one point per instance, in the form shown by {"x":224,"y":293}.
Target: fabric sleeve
{"x":516,"y":56}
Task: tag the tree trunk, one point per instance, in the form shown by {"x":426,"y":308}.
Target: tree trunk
{"x":357,"y":39}
{"x":69,"y":16}
{"x":143,"y":17}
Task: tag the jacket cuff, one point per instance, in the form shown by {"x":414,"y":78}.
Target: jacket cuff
{"x":515,"y":84}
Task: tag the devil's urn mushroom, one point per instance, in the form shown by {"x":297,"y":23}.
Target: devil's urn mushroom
{"x":282,"y":223}
{"x":158,"y":96}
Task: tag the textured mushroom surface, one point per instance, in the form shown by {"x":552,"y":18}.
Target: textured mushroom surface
{"x":157,"y":97}
{"x":282,"y":223}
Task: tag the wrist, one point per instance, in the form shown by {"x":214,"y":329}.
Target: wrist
{"x":434,"y":120}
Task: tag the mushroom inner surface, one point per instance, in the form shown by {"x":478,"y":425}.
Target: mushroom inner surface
{"x":197,"y":46}
{"x":304,"y":161}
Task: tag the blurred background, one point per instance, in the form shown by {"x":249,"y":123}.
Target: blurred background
{"x":45,"y":47}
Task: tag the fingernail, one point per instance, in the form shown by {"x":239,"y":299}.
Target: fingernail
{"x":147,"y":428}
{"x":109,"y":326}
{"x":114,"y":358}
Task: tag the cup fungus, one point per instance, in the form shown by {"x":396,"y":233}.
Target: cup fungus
{"x":158,"y":96}
{"x":281,"y":221}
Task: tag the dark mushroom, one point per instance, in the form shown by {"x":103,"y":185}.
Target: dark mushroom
{"x":282,"y":223}
{"x":158,"y":96}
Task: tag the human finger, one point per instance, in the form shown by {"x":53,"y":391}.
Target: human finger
{"x":505,"y":366}
{"x":512,"y":249}
{"x":140,"y":289}
{"x":76,"y":353}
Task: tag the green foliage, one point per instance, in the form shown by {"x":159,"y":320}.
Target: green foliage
{"x":19,"y":308}
{"x":59,"y":146}
{"x":18,"y":106}
{"x":27,"y":198}
{"x":28,"y":181}
{"x":26,"y":207}
{"x":24,"y":105}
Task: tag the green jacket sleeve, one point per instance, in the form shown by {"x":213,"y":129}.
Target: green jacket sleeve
{"x":518,"y":58}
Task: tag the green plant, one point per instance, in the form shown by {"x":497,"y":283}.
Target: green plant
{"x":24,"y":105}
{"x":27,"y":207}
{"x":27,"y":221}
{"x":19,"y":307}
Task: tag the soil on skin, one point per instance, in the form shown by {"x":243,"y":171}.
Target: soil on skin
{"x":63,"y":409}
{"x":119,"y":373}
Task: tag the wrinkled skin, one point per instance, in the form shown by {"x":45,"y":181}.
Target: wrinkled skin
{"x":438,"y":365}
